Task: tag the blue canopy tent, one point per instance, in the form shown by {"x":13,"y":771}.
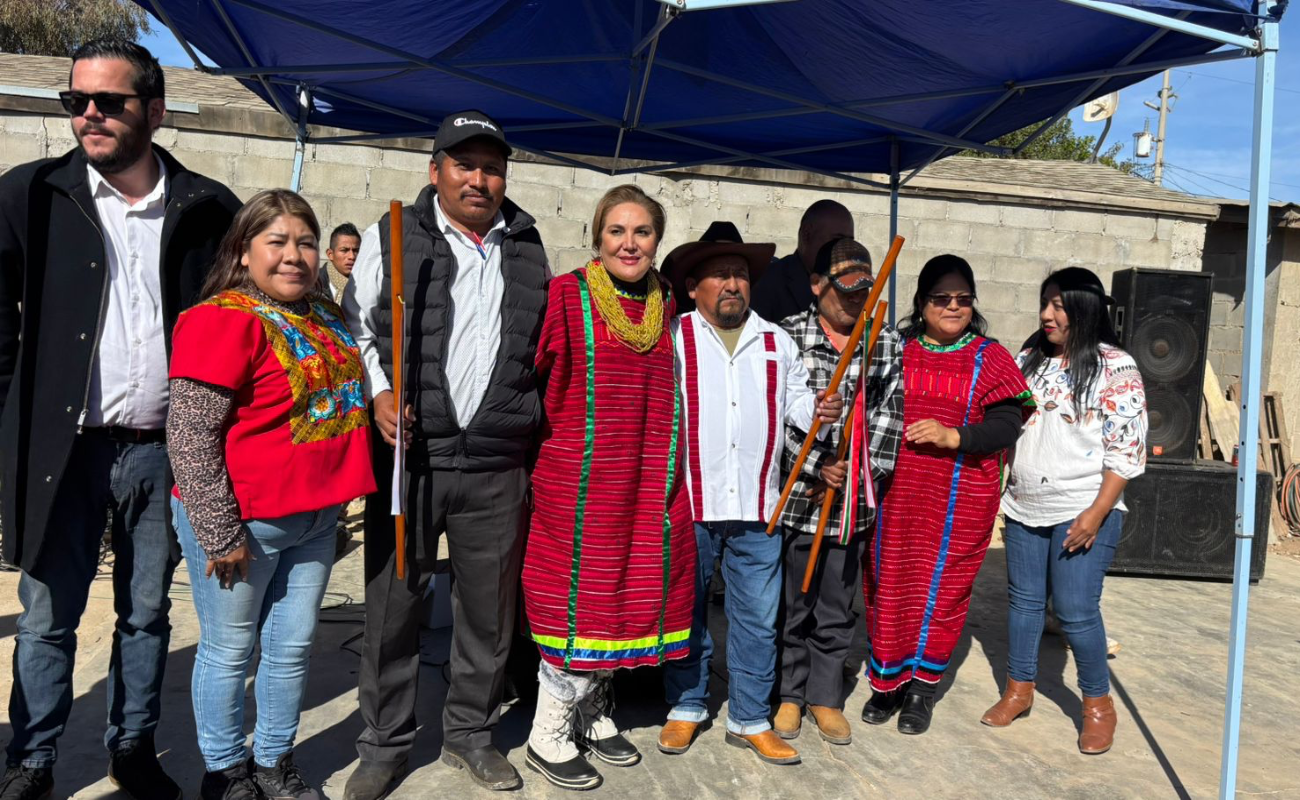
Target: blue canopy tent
{"x":838,"y":87}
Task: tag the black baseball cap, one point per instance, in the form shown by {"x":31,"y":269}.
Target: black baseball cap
{"x":465,"y":125}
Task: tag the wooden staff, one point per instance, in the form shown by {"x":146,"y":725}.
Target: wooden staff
{"x":876,"y":322}
{"x":846,"y":358}
{"x":399,"y":332}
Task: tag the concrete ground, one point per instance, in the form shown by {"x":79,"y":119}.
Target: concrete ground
{"x":1168,"y":684}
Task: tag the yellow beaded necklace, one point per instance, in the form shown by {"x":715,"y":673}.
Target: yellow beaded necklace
{"x":640,"y":338}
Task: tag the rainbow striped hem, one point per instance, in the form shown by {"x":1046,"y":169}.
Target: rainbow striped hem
{"x":584,"y":649}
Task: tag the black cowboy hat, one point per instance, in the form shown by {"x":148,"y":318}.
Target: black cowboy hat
{"x":721,"y":239}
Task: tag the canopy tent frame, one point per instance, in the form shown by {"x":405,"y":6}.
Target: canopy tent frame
{"x":643,"y":58}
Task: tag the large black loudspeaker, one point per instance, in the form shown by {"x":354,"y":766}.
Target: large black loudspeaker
{"x":1180,"y":522}
{"x":1163,"y":320}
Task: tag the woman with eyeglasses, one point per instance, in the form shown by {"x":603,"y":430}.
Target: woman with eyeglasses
{"x":1065,"y":494}
{"x":964,"y":401}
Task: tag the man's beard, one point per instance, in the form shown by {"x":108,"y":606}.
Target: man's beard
{"x":131,"y":146}
{"x":732,"y":320}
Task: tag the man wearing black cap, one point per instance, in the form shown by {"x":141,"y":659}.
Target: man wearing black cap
{"x":742,"y":382}
{"x":475,"y":292}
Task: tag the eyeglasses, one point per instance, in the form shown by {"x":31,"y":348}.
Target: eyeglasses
{"x":110,"y":104}
{"x":945,"y":300}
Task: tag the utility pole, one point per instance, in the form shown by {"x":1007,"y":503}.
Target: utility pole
{"x":1164,"y":108}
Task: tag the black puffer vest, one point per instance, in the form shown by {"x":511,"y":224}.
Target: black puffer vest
{"x":500,"y":433}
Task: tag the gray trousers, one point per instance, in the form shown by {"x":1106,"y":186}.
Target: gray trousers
{"x":483,"y":516}
{"x":817,"y":627}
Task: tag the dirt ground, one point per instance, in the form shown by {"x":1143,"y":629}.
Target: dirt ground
{"x":1168,"y":684}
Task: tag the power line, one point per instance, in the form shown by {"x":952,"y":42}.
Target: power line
{"x":1208,"y":191}
{"x":1236,"y":80}
{"x":1216,"y":180}
{"x":1235,"y":177}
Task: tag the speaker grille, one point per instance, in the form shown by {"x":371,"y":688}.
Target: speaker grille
{"x":1165,"y":347}
{"x":1163,"y":319}
{"x":1181,"y":518}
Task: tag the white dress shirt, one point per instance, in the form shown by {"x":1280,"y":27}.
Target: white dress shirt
{"x":474,"y":338}
{"x":736,"y":407}
{"x":128,"y":377}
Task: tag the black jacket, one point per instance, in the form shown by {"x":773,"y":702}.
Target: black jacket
{"x":501,"y":432}
{"x":52,"y":289}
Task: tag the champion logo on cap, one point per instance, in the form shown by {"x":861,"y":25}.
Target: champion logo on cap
{"x":480,"y":122}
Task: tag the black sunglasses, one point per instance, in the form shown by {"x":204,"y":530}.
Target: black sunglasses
{"x":110,"y":104}
{"x":945,"y":300}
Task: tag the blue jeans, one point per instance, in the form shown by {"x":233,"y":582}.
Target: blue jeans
{"x":103,"y":478}
{"x":1036,"y":562}
{"x":280,"y":600}
{"x":751,"y":566}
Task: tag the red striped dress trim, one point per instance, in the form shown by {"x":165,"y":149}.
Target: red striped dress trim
{"x":693,"y":417}
{"x":769,"y":343}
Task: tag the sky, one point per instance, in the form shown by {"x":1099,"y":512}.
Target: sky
{"x":1207,"y":137}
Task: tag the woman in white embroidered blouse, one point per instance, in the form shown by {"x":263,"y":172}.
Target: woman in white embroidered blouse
{"x":1064,"y":501}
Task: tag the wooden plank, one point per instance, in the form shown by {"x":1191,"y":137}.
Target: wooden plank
{"x":1204,"y":444}
{"x":1263,"y":458}
{"x":1225,"y":421}
{"x":1284,"y":438}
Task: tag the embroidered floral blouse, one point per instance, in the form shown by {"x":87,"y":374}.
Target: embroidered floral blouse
{"x":268,"y":414}
{"x":1057,"y":468}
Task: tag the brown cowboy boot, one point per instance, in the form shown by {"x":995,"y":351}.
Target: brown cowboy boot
{"x":1098,"y":725}
{"x":676,"y":736}
{"x":831,"y":724}
{"x":1017,"y":700}
{"x":789,"y":718}
{"x":766,"y":745}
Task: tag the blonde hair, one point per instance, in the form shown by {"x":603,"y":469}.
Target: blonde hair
{"x":627,"y":193}
{"x":228,"y":270}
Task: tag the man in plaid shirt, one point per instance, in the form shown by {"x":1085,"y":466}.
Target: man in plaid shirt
{"x":818,"y":626}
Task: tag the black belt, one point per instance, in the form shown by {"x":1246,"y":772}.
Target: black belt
{"x":128,"y":435}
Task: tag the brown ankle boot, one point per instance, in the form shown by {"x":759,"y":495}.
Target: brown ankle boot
{"x":1098,"y":725}
{"x":788,"y":721}
{"x":1017,"y":700}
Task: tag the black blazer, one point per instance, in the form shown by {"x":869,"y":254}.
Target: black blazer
{"x":52,"y":285}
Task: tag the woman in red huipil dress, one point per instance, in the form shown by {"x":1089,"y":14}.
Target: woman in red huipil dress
{"x":964,"y":401}
{"x":609,"y":565}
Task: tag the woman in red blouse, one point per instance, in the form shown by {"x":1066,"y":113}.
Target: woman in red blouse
{"x":268,"y":435}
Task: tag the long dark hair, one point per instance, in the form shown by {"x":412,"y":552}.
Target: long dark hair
{"x":1084,"y":299}
{"x":935,"y":270}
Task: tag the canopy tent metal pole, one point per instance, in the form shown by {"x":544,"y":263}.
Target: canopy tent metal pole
{"x":1097,"y":84}
{"x":839,"y":111}
{"x":1177,"y":24}
{"x":300,"y":137}
{"x":171,"y":26}
{"x":985,"y":114}
{"x":1252,"y":350}
{"x":893,"y":227}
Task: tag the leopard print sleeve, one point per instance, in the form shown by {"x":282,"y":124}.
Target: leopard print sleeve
{"x":196,"y":445}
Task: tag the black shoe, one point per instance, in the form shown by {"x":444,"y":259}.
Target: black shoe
{"x":133,"y":767}
{"x":486,"y":766}
{"x":372,"y":780}
{"x":615,"y":750}
{"x":283,"y":781}
{"x":27,"y":783}
{"x":229,"y":784}
{"x":914,"y":719}
{"x":575,"y":773}
{"x":882,"y":706}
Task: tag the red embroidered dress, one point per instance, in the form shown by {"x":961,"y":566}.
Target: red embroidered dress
{"x":937,"y":517}
{"x":610,"y":558}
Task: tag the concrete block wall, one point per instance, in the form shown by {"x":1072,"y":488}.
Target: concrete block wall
{"x":1011,"y":245}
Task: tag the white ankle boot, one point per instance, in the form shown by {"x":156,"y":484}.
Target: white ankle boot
{"x":552,"y":734}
